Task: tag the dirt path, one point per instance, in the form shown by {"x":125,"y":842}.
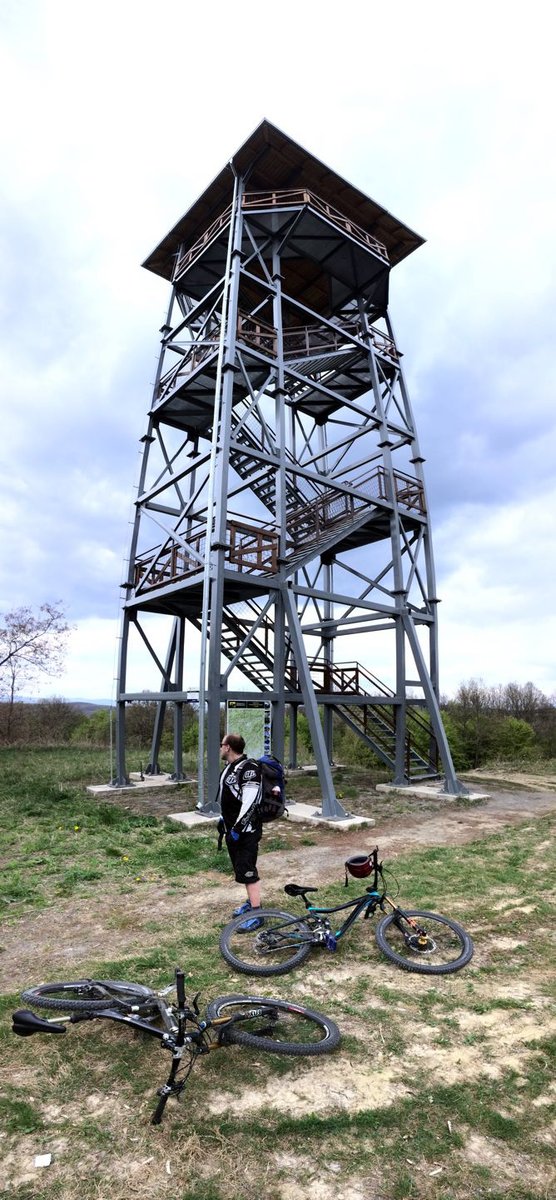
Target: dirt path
{"x":454,"y":826}
{"x":74,"y":932}
{"x":444,"y":824}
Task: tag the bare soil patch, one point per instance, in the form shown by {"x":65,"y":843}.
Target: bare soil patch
{"x":75,"y":932}
{"x":460,"y":1044}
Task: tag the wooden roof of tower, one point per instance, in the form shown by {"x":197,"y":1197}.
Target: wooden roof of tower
{"x":279,"y":163}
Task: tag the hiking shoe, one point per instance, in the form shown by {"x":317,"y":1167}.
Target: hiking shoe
{"x":250,"y":925}
{"x":242,"y":908}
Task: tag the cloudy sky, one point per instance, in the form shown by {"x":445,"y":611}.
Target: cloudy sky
{"x":115,"y":118}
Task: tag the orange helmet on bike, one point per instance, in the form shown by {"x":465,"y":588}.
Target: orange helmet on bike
{"x":359,"y":866}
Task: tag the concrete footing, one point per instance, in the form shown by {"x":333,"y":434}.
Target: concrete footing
{"x":138,"y":783}
{"x":305,"y":813}
{"x":424,"y":789}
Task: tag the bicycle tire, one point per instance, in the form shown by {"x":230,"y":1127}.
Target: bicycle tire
{"x":83,"y":995}
{"x":312,"y":1032}
{"x":448,"y":945}
{"x":246,"y":952}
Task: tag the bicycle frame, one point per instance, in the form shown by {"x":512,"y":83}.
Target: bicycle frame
{"x":366,"y":904}
{"x":174,"y":1037}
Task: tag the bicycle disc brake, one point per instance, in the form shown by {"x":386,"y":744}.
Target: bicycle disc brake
{"x":421,"y":943}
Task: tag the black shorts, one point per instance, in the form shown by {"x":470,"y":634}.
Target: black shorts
{"x":243,"y":854}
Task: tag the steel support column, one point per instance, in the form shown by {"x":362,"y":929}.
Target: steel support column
{"x":331,"y":807}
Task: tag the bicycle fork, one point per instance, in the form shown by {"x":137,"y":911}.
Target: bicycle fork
{"x":417,"y":937}
{"x":178,"y":1041}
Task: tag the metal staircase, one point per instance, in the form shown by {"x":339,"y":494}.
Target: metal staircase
{"x":374,"y":723}
{"x":369,"y":715}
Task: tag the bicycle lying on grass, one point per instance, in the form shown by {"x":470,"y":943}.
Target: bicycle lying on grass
{"x":414,"y":940}
{"x":264,"y":1024}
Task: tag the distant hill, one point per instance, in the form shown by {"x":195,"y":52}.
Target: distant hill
{"x":90,"y":706}
{"x":85,"y":706}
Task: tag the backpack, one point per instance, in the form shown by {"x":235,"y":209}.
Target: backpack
{"x":271,"y":807}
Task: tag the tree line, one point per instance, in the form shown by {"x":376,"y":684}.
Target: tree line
{"x":510,"y":722}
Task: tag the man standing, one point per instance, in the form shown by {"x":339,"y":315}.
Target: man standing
{"x":239,"y":795}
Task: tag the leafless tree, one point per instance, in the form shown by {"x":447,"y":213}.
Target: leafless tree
{"x":32,"y":643}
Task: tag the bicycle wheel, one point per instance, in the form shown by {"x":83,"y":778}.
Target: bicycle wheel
{"x":437,"y":947}
{"x":90,"y":995}
{"x":281,"y":942}
{"x":289,"y":1029}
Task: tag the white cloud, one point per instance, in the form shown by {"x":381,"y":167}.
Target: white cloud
{"x":91,"y":665}
{"x":443,"y":117}
{"x":497,"y":581}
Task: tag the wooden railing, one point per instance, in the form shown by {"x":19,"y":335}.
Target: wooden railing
{"x":257,"y":333}
{"x":210,"y":235}
{"x":168,"y":564}
{"x":287,"y":198}
{"x":249,"y":547}
{"x":254,"y":548}
{"x":298,"y":196}
{"x":347,"y":678}
{"x":302,"y":341}
{"x":310,"y":520}
{"x":305,"y":341}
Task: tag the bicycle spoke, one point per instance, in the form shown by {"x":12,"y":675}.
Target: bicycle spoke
{"x":286,"y":1028}
{"x":278,"y":944}
{"x":424,"y":942}
{"x":89,"y":995}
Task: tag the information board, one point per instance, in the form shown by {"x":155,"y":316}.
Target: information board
{"x":253,"y":720}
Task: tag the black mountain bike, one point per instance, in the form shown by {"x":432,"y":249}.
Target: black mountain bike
{"x":264,"y":1024}
{"x":413,"y":940}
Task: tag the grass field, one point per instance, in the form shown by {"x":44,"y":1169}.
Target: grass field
{"x":442,"y":1088}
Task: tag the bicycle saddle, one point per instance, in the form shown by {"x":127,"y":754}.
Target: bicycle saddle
{"x":295,"y":889}
{"x":25,"y":1023}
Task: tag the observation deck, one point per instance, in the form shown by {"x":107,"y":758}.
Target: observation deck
{"x":340,"y":232}
{"x":327,"y":366}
